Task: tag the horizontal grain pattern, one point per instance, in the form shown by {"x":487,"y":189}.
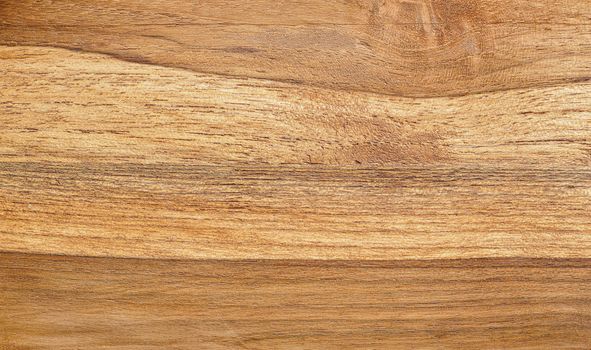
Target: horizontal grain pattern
{"x":295,"y":174}
{"x":143,"y":161}
{"x":495,"y":59}
{"x":284,"y":304}
{"x":178,"y":116}
{"x":294,"y":12}
{"x":180,"y":211}
{"x":410,"y":48}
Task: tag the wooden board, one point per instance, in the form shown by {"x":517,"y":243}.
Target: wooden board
{"x":317,"y":161}
{"x":400,"y":47}
{"x":101,"y":303}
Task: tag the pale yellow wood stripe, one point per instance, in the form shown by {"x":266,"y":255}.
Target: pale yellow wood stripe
{"x":59,"y":105}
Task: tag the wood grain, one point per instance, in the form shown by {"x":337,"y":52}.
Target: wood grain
{"x":282,"y":212}
{"x":142,"y":304}
{"x":295,"y":174}
{"x":400,"y":47}
{"x":189,"y":165}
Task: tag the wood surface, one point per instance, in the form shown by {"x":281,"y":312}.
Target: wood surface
{"x":295,"y":174}
{"x":98,"y":303}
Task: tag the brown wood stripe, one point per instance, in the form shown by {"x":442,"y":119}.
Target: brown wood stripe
{"x":399,"y":47}
{"x":144,"y":304}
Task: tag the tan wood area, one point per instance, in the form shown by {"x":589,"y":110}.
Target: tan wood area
{"x":295,"y":174}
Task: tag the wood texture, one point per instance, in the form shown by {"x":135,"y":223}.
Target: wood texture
{"x":132,"y":160}
{"x":401,"y":47}
{"x":298,"y":174}
{"x":141,"y":304}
